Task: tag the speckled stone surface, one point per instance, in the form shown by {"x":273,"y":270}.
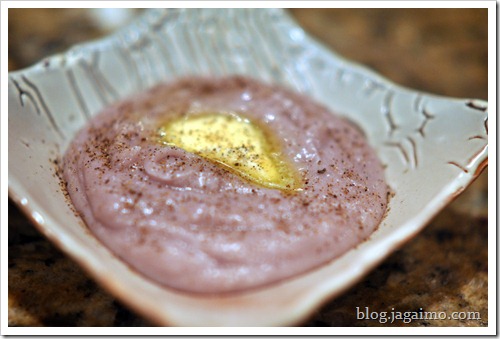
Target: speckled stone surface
{"x":443,"y":269}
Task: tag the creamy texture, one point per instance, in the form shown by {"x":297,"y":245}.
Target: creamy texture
{"x":190,"y":222}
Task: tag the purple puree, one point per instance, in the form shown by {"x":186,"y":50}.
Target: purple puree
{"x":189,"y":223}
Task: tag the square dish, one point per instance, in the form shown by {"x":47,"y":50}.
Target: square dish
{"x":404,"y":127}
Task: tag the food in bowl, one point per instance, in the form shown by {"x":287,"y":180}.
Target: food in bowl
{"x":215,"y":185}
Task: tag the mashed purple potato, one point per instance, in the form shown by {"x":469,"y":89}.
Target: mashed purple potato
{"x":191,"y":224}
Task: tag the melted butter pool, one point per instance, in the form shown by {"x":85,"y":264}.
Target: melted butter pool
{"x":236,"y":143}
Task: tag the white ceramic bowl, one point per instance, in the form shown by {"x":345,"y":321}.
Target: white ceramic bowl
{"x":433,"y":146}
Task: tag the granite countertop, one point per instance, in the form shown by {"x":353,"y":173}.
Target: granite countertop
{"x":443,"y":269}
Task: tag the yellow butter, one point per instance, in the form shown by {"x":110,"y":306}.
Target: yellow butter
{"x":234,"y":142}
